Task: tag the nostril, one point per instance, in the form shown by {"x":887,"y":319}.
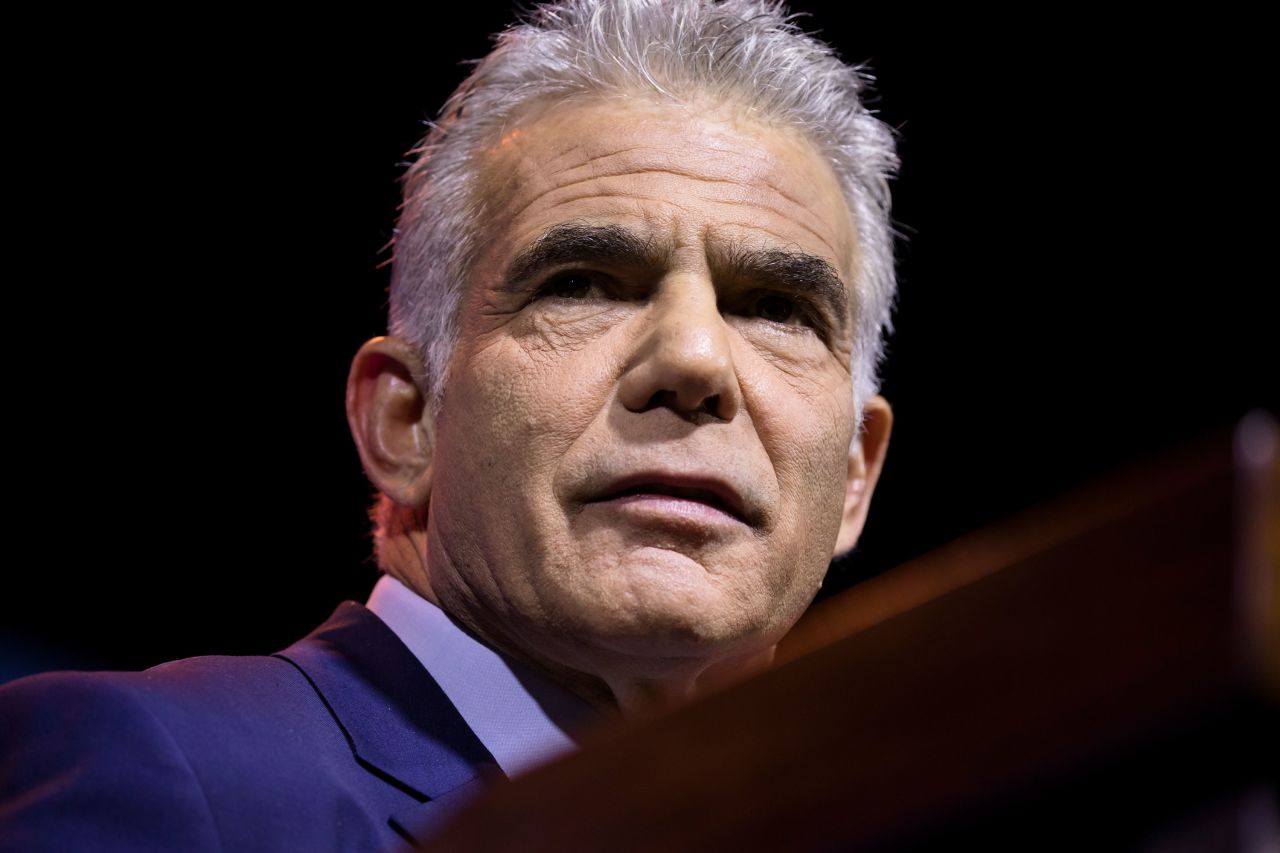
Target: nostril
{"x":660,"y":399}
{"x":668,"y":399}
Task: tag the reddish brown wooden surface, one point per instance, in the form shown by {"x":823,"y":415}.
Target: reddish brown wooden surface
{"x":1016,"y":655}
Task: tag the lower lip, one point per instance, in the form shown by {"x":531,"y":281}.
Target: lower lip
{"x":670,"y":509}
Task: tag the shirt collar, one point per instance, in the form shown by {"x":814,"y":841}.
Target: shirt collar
{"x":521,"y":717}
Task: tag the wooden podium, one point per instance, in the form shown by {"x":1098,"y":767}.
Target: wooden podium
{"x":1102,"y":673}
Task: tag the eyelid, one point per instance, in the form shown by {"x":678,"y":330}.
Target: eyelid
{"x":542,"y":285}
{"x":807,"y":312}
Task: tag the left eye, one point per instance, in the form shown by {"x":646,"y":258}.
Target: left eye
{"x":777,"y":308}
{"x":572,"y":285}
{"x":569,"y":287}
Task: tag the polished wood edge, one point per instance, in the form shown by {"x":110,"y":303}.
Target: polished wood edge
{"x":1257,"y":463}
{"x":993,"y":548}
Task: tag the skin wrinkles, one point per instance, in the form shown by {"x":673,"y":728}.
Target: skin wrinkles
{"x":581,"y":242}
{"x":778,"y":235}
{"x":714,"y":140}
{"x":750,"y":171}
{"x":662,"y":362}
{"x":632,"y":195}
{"x":602,"y":188}
{"x":787,"y":270}
{"x":786,"y":264}
{"x":573,"y":327}
{"x":790,"y":269}
{"x":573,"y":323}
{"x":545,"y":336}
{"x":724,"y":137}
{"x":753,"y":162}
{"x":468,"y":598}
{"x":735,"y":179}
{"x":632,"y":168}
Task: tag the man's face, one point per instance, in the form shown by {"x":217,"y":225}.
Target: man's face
{"x":642,"y":451}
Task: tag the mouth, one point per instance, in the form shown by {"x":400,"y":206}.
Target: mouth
{"x":710,"y":492}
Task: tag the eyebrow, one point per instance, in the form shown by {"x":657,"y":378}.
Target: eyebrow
{"x":785,"y":269}
{"x":791,"y":270}
{"x":579,"y":243}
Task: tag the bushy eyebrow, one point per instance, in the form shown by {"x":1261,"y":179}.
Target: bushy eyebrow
{"x":790,"y":270}
{"x":579,"y":243}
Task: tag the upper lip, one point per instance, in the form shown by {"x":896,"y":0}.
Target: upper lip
{"x":708,"y":489}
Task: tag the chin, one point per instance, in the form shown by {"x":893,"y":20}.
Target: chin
{"x":659,"y":603}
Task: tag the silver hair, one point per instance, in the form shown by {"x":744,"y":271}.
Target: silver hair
{"x":744,"y":52}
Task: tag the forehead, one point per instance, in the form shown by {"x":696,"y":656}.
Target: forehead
{"x":685,"y":175}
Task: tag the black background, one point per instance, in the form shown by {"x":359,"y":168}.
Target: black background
{"x":202,"y":215}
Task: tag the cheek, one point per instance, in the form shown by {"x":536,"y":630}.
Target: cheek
{"x":805,"y":425}
{"x":514,"y":408}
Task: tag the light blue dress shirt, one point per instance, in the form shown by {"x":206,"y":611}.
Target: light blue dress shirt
{"x":521,"y":717}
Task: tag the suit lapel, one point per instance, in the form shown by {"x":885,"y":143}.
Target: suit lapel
{"x":400,"y":724}
{"x":421,"y":821}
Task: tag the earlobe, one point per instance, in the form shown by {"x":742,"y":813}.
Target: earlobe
{"x":390,"y":420}
{"x":866,"y":458}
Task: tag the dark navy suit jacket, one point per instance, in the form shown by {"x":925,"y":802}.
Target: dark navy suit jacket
{"x":341,"y":741}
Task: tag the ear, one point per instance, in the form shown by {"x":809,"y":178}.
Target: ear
{"x":390,"y":419}
{"x":866,"y":458}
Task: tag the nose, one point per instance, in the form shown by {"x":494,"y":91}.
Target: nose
{"x":683,"y":361}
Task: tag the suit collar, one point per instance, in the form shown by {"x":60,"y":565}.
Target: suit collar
{"x":398,"y":721}
{"x":523,"y":718}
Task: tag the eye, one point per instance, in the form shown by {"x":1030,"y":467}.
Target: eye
{"x":778,"y":308}
{"x":569,"y":285}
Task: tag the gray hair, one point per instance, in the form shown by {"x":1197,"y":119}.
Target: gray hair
{"x":746,"y":52}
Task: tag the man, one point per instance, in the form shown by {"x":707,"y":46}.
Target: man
{"x":624,"y":418}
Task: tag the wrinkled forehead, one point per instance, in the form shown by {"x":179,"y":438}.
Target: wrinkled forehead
{"x":712,"y":165}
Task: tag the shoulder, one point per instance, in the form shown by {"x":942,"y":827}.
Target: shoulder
{"x":193,"y":702}
{"x":83,"y":751}
{"x":312,"y":748}
{"x":182,"y":756}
